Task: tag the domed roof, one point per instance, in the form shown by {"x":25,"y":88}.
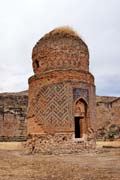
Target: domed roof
{"x":61,"y":48}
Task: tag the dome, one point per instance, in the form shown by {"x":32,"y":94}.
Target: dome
{"x":60,"y":49}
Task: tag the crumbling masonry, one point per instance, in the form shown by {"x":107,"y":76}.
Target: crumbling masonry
{"x":61,"y":107}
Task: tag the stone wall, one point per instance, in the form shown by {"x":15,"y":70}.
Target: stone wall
{"x":13,"y":108}
{"x":55,"y":107}
{"x":108,"y":116}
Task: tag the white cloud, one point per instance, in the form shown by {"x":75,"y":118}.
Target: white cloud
{"x":24,"y":22}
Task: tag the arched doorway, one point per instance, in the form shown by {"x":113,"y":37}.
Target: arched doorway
{"x":80,"y":112}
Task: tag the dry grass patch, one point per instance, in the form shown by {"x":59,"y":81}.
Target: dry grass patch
{"x":108,"y":143}
{"x":11,"y":146}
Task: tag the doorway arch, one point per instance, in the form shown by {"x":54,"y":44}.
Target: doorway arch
{"x":80,"y":112}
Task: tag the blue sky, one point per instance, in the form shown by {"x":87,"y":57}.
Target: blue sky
{"x":24,"y":22}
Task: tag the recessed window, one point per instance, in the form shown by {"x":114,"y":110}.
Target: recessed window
{"x":37,"y":63}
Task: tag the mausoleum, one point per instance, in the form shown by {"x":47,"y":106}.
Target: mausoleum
{"x":61,"y":91}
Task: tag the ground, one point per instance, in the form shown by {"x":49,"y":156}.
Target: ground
{"x":15,"y":164}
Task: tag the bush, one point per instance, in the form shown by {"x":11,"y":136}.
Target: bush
{"x":111,"y":132}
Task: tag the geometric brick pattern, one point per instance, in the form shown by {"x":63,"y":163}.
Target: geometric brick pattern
{"x":78,"y":92}
{"x":56,"y":52}
{"x":61,"y":76}
{"x":52,"y":106}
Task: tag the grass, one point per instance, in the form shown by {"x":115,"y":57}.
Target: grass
{"x":10,"y":146}
{"x":108,"y":143}
{"x":19,"y":145}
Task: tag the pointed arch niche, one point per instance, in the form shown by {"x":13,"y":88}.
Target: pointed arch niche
{"x":80,"y":114}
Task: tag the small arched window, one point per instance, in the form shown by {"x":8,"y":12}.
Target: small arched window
{"x":80,"y":107}
{"x":37,"y":63}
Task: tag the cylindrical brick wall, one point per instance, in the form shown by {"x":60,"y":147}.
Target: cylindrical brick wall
{"x":61,"y":80}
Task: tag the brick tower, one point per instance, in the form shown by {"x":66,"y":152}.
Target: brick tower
{"x":61,"y":91}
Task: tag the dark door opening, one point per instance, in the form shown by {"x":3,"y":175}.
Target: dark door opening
{"x":77,"y":127}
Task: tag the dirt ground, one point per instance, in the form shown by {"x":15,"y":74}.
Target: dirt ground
{"x":104,"y":164}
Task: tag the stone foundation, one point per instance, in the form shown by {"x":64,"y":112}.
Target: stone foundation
{"x":59,"y":143}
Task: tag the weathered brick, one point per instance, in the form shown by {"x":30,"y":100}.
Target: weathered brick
{"x":61,"y":83}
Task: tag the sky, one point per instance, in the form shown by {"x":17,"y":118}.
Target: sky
{"x":24,"y":22}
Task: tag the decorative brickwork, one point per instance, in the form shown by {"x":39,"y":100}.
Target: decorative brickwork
{"x":78,"y":92}
{"x":62,"y":82}
{"x":107,"y":116}
{"x":52,"y":108}
{"x":62,"y":101}
{"x":64,"y":52}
